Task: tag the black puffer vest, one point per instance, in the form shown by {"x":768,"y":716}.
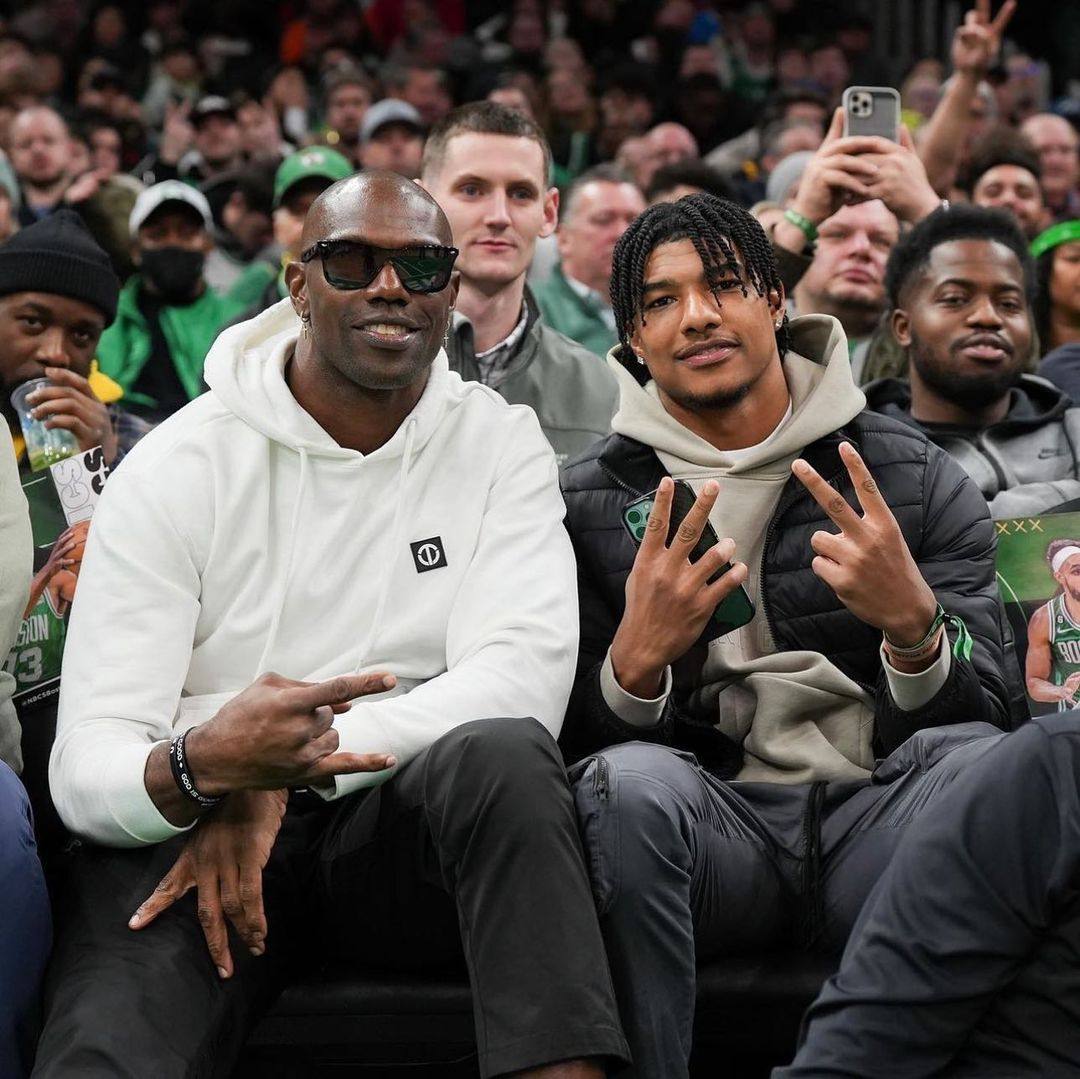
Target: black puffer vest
{"x":944,"y":520}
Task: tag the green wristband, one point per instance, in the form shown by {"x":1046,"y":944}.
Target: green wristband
{"x":803,"y":224}
{"x":962,"y":648}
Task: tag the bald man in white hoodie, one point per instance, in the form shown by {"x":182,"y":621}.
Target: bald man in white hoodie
{"x":342,"y":509}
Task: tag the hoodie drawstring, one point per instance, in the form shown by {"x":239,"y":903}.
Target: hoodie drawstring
{"x":279,"y":606}
{"x":395,"y":540}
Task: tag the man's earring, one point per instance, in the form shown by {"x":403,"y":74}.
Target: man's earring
{"x":306,"y":325}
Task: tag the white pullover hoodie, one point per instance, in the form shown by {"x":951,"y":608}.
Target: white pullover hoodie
{"x":239,"y":538}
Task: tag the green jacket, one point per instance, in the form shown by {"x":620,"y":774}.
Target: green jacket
{"x":567,"y":311}
{"x":189,"y":331}
{"x":573,"y":394}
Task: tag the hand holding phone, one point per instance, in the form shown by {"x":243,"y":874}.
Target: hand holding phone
{"x":674,"y":588}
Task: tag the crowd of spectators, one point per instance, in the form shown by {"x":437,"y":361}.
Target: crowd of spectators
{"x":159,"y":165}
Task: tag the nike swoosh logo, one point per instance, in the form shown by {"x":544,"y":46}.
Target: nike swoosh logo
{"x":1049,"y":451}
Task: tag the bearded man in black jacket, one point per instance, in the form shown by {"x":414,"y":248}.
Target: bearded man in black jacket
{"x":745,"y":789}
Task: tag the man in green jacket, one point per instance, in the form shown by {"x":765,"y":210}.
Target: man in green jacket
{"x":168,"y":316}
{"x":598,"y":209}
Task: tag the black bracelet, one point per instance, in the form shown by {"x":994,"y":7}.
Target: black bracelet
{"x":179,"y":764}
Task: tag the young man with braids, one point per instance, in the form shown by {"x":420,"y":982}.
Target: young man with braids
{"x":730,"y":786}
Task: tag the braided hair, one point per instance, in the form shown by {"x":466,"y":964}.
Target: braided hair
{"x":719,"y":230}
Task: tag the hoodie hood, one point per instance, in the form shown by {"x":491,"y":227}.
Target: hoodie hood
{"x":246,"y":370}
{"x":824,"y":397}
{"x":1033,"y":403}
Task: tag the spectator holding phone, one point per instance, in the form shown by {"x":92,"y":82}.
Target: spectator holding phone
{"x":853,"y":197}
{"x":877,"y":633}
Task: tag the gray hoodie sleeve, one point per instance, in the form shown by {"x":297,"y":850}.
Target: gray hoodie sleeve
{"x":16,"y":569}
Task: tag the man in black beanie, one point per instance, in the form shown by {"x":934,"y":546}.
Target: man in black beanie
{"x":57,"y":293}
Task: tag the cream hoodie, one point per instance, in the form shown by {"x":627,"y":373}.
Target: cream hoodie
{"x":797,"y":716}
{"x":239,"y":538}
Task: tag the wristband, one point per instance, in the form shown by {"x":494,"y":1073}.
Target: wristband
{"x":923,"y":650}
{"x":178,"y":762}
{"x":961,"y":649}
{"x":803,"y":224}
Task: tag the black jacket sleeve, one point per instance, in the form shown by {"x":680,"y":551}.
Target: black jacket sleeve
{"x":957,"y":560}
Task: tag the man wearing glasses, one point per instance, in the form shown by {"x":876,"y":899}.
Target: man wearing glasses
{"x":343,"y":510}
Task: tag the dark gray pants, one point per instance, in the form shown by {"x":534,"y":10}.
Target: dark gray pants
{"x":470,"y":850}
{"x":685,"y":866}
{"x":965,"y":961}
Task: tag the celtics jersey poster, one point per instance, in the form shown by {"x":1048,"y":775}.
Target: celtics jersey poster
{"x":1038,"y":572}
{"x":58,"y":498}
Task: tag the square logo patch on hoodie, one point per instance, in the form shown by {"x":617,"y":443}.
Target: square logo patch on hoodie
{"x":428,"y":554}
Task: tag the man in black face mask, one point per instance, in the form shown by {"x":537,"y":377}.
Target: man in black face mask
{"x":168,"y":317}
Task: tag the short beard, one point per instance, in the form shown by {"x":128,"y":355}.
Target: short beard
{"x":47,"y":184}
{"x":971,"y":392}
{"x":713,"y":402}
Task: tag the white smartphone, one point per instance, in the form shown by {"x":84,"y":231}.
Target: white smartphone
{"x":872,"y":110}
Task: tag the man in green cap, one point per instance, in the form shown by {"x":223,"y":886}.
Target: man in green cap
{"x":298,"y":182}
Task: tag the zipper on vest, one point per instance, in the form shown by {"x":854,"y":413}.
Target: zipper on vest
{"x":618,"y":482}
{"x":769,"y":532}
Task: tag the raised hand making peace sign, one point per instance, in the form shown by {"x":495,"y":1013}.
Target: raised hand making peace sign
{"x":669,"y":598}
{"x":868,"y":564}
{"x":978,"y":38}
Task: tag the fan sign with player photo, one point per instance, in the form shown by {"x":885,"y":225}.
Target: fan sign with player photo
{"x":61,"y":501}
{"x":1038,"y":571}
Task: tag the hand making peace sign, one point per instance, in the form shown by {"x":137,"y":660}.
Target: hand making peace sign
{"x":978,"y":38}
{"x":868,"y":564}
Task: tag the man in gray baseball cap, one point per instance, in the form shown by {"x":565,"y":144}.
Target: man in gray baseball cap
{"x":168,"y":316}
{"x":392,"y":137}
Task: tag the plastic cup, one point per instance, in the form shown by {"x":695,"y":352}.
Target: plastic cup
{"x":44,"y":445}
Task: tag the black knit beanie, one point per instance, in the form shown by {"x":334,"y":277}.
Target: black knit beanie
{"x":57,"y":254}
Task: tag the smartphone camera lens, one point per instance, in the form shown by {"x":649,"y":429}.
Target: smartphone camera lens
{"x":862,"y":105}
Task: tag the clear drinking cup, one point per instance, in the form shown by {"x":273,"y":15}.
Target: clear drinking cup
{"x":44,"y":445}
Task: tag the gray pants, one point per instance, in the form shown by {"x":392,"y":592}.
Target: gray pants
{"x":685,"y":866}
{"x":965,"y":962}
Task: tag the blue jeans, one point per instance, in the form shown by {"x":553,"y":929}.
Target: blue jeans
{"x":25,"y":927}
{"x":685,"y":866}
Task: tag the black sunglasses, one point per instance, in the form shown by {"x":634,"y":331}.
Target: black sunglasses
{"x":348,"y":264}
